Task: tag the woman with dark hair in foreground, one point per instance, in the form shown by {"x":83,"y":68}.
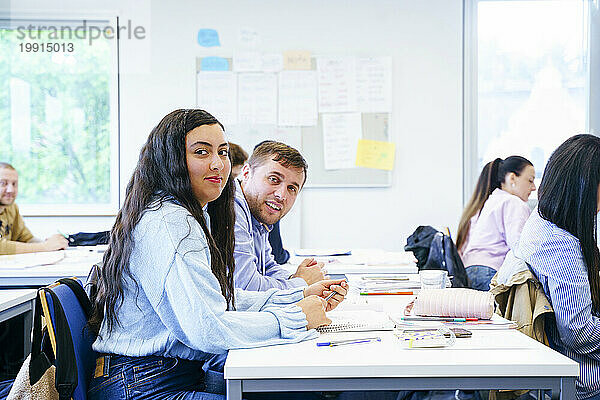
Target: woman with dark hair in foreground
{"x":558,"y":242}
{"x":166,"y":301}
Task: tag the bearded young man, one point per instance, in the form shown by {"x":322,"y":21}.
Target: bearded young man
{"x":266,"y":191}
{"x":14,"y":236}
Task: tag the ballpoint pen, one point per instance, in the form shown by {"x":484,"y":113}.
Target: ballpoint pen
{"x":348,"y":341}
{"x":408,"y":293}
{"x":441,"y":319}
{"x":333,"y":293}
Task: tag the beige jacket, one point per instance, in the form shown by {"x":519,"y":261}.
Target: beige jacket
{"x":520,"y":298}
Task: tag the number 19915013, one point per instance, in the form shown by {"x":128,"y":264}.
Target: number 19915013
{"x":46,"y":47}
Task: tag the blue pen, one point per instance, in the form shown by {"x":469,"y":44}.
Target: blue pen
{"x":349,"y":341}
{"x":333,"y":293}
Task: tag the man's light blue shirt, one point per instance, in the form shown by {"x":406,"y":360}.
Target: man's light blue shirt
{"x":255,"y":266}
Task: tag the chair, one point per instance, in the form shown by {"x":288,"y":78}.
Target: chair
{"x":66,"y":309}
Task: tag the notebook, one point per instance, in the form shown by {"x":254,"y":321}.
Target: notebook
{"x":357,"y":321}
{"x":454,"y":302}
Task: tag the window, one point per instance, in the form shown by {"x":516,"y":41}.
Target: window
{"x":526,"y":80}
{"x":58,"y":115}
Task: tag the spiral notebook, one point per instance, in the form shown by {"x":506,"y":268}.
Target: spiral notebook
{"x":357,"y":321}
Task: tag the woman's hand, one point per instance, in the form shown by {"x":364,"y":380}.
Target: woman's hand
{"x":314,"y":308}
{"x":324,"y":288}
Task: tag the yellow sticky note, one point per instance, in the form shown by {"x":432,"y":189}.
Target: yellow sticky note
{"x":375,"y":154}
{"x":296,"y":60}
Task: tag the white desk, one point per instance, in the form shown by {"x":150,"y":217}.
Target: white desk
{"x":76,"y":262}
{"x":363,"y":261}
{"x":15,"y":302}
{"x":502,"y":359}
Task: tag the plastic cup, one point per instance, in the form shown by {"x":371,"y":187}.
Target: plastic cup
{"x":433,"y":278}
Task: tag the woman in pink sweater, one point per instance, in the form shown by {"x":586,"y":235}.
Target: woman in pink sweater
{"x":493,"y":219}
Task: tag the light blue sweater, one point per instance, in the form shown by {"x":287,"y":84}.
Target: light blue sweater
{"x":177,"y":309}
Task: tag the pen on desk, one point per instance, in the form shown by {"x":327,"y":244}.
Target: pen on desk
{"x":441,"y":319}
{"x":465,"y":320}
{"x":409,"y":293}
{"x":348,"y":341}
{"x":385,"y":278}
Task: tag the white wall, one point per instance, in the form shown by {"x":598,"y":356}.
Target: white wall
{"x":424,"y":39}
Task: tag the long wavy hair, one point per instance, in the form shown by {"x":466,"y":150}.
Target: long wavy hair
{"x":568,"y":197}
{"x":491,"y":178}
{"x":162,"y":175}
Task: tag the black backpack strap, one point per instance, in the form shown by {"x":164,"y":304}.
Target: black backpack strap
{"x":66,"y":364}
{"x":79,"y":292}
{"x":38,"y":363}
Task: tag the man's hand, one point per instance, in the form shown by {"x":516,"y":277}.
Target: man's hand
{"x":324,"y":288}
{"x":55,"y":242}
{"x":310,"y":270}
{"x":314,"y":309}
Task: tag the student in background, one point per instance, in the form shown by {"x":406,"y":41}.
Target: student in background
{"x":558,"y":242}
{"x":15,"y":238}
{"x":280,"y":254}
{"x":269,"y":184}
{"x":492,"y":220}
{"x":166,"y":301}
{"x":238,"y":157}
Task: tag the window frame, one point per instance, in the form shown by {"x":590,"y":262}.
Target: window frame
{"x":102,"y":20}
{"x":470,"y":86}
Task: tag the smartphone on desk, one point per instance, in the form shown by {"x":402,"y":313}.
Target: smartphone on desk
{"x":460,"y":332}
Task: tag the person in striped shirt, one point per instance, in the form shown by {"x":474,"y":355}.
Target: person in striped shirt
{"x":558,"y":242}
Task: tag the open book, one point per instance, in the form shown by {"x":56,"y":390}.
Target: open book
{"x":357,"y":321}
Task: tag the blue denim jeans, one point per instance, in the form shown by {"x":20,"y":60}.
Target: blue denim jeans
{"x":150,"y":377}
{"x":5,"y":388}
{"x":480,"y":277}
{"x":153,"y":377}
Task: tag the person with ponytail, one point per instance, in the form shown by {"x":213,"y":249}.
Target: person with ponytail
{"x":492,"y":220}
{"x":558,"y":243}
{"x":166,"y":302}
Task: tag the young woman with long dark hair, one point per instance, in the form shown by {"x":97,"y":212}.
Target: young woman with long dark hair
{"x":558,"y":242}
{"x":492,"y":220}
{"x":166,"y":301}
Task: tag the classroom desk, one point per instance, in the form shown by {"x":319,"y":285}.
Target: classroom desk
{"x":362,"y":261}
{"x":15,"y":302}
{"x":491,"y":359}
{"x":76,"y":262}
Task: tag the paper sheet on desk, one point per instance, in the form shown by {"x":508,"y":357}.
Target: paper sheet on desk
{"x":322,"y":252}
{"x":19,"y":261}
{"x":496,"y":323}
{"x":385,"y":286}
{"x":363,"y":261}
{"x":339,"y":268}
